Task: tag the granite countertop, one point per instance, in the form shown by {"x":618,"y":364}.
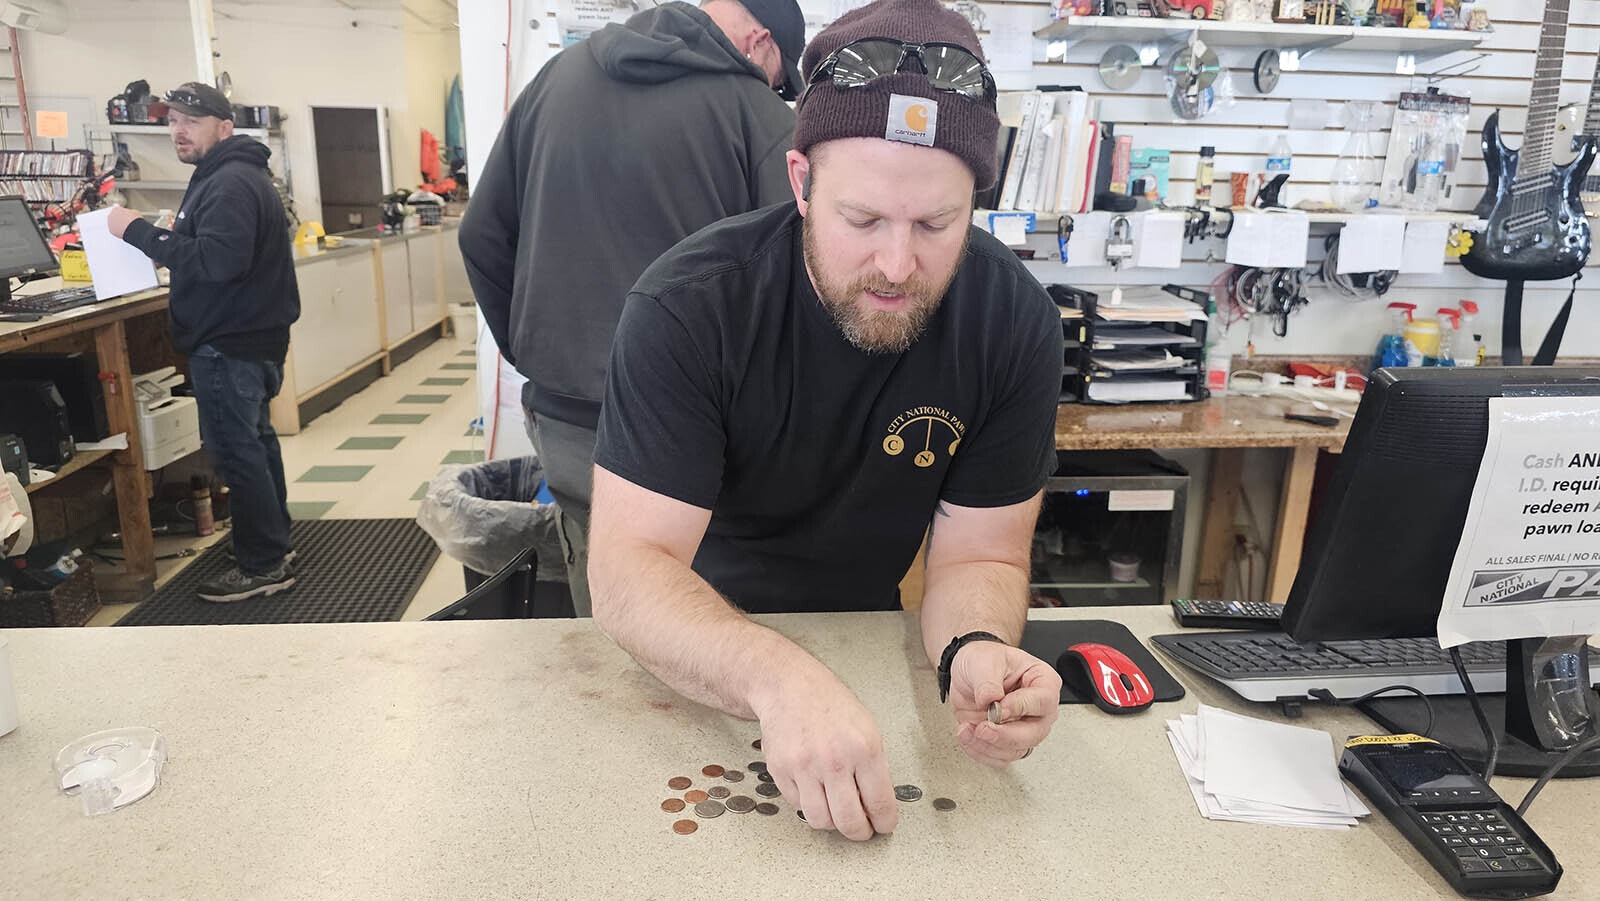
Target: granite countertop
{"x":1231,"y":421}
{"x":529,"y":758}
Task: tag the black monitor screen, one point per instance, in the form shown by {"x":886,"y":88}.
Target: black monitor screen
{"x":1379,"y":554}
{"x":23,"y":249}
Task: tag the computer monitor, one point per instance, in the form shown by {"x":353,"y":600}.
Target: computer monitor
{"x":1379,"y":554}
{"x":23,"y":248}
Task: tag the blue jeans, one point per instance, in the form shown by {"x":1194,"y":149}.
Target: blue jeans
{"x":234,"y":395}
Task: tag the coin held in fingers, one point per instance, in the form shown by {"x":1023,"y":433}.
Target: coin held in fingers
{"x":994,"y":712}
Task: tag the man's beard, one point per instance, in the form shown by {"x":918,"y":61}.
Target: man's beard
{"x":877,"y":331}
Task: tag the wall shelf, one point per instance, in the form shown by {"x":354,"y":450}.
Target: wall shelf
{"x":162,"y":130}
{"x":1045,"y":223}
{"x":152,"y":185}
{"x":1422,"y":43}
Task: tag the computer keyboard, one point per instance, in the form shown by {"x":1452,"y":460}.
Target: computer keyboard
{"x":1267,"y":666}
{"x":53,"y":302}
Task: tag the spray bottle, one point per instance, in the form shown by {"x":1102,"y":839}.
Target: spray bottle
{"x":1392,"y":346}
{"x":1449,"y":322}
{"x":1470,"y":350}
{"x":1422,"y":339}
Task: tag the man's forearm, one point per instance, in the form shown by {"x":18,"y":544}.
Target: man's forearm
{"x":973,"y":596}
{"x":678,"y":627}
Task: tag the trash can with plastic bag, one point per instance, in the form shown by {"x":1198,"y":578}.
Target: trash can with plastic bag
{"x":488,"y":517}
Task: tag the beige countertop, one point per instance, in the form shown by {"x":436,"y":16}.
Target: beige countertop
{"x":1231,"y":421}
{"x":529,"y":759}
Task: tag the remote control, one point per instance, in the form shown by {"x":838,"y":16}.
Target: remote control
{"x":1228,"y":614}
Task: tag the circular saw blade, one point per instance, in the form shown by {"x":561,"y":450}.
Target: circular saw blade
{"x":1267,"y":71}
{"x":1190,"y":68}
{"x":1120,"y":67}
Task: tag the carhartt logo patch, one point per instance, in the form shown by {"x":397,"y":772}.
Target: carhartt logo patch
{"x":912,"y":120}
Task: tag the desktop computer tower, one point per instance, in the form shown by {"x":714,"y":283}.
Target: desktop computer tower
{"x":77,"y":378}
{"x":32,"y":409}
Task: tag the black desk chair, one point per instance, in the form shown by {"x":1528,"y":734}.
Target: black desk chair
{"x":512,"y":593}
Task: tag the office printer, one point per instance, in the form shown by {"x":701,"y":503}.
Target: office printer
{"x":169,"y":427}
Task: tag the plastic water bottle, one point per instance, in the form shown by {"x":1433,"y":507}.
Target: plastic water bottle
{"x":1280,"y":159}
{"x":1430,"y":172}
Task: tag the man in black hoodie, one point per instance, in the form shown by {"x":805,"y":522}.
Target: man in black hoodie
{"x":625,"y":144}
{"x":233,"y":298}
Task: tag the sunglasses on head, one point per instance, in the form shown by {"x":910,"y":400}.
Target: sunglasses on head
{"x":948,"y":67}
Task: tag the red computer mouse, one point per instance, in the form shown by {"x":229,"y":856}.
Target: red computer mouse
{"x":1107,"y":676}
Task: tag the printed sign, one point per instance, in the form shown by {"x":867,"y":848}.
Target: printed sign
{"x":1528,"y":564}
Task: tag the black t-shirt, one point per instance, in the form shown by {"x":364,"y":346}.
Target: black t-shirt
{"x":732,"y":389}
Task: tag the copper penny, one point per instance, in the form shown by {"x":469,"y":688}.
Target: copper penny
{"x":679,"y":783}
{"x":766,"y":808}
{"x":695,"y":796}
{"x":712,"y":771}
{"x":672,"y":805}
{"x":685,"y":827}
{"x":767,"y":790}
{"x":741,"y":803}
{"x":733,"y":776}
{"x":718,"y":791}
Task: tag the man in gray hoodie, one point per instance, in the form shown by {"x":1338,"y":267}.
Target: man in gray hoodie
{"x":623,"y":145}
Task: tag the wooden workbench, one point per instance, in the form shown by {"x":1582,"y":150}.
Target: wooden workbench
{"x":1230,"y":426}
{"x":106,"y":325}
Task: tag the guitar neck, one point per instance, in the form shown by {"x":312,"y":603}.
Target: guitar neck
{"x":1535,"y":155}
{"x":1591,"y":115}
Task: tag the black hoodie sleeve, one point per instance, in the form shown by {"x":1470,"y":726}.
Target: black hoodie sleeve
{"x":223,"y":245}
{"x":490,"y":231}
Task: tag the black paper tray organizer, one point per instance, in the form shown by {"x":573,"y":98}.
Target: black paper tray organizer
{"x":1118,"y":356}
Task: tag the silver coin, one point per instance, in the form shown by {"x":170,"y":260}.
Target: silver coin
{"x":718,"y":791}
{"x":709,"y":809}
{"x":767,"y":790}
{"x":741,"y":803}
{"x":907,"y":793}
{"x":800,"y":813}
{"x":764,"y":776}
{"x":757,"y":766}
{"x":766,"y":808}
{"x":943,"y":804}
{"x":733,"y":776}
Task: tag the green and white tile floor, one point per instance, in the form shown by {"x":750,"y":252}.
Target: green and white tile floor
{"x":371,"y":457}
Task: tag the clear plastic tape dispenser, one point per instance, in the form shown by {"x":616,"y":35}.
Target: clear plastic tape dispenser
{"x":110,"y":770}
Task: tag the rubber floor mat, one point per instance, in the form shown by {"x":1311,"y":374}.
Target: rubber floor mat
{"x":346,"y":571}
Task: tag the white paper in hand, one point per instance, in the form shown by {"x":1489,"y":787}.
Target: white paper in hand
{"x":118,"y":267}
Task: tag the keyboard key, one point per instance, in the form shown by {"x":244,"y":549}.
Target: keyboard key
{"x":1526,"y":863}
{"x":1500,"y":866}
{"x":1473,"y":865}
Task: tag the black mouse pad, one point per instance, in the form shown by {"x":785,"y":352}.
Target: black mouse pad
{"x":1048,"y":640}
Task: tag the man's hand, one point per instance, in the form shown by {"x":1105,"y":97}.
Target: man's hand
{"x":826,"y":755}
{"x":1027,"y":688}
{"x":119,"y":220}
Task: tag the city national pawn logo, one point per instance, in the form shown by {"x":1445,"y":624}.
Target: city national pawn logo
{"x":923,"y":434}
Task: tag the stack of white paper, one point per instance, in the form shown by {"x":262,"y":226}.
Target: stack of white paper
{"x":1254,"y":771}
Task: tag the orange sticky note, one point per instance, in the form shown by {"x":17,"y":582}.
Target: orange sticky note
{"x":50,"y":123}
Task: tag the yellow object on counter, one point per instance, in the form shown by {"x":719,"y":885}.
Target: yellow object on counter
{"x":75,"y":266}
{"x":309,"y":232}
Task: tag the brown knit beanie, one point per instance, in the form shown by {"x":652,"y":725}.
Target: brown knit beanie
{"x":966,"y":128}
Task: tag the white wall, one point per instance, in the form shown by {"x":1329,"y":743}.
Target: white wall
{"x":294,"y":58}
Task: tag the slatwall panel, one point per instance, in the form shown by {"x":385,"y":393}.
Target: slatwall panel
{"x":1244,"y":132}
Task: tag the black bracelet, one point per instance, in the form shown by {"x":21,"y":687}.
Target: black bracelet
{"x":949,"y":657}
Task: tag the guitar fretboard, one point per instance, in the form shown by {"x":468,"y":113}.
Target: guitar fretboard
{"x":1534,"y":159}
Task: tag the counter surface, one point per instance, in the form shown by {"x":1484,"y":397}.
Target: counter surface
{"x":1231,"y":421}
{"x":529,"y":759}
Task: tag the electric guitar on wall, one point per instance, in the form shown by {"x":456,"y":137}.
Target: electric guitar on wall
{"x":1565,"y":148}
{"x":1536,"y":228}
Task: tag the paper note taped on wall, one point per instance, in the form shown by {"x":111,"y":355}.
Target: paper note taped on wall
{"x":49,"y":124}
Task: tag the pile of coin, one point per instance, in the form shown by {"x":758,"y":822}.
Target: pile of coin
{"x":714,"y":801}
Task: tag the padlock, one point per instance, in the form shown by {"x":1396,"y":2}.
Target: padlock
{"x":1119,"y":244}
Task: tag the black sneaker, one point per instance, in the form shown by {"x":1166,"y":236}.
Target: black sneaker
{"x":233,"y":555}
{"x":237,"y":585}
